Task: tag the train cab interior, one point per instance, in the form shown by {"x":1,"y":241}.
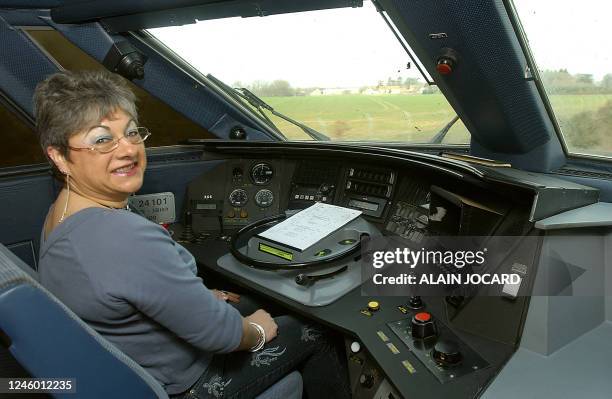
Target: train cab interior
{"x":487,"y":118}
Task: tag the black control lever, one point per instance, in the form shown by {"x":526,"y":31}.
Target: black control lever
{"x":306,"y":280}
{"x":187,"y":235}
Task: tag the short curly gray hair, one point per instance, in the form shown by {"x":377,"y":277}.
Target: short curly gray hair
{"x":67,"y":103}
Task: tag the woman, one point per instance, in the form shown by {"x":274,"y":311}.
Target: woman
{"x":128,"y":279}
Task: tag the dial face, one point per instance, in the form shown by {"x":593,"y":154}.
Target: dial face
{"x":262,"y":173}
{"x":238,"y":198}
{"x":237,"y":173}
{"x":264,"y":198}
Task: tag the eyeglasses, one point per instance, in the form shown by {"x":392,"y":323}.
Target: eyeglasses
{"x":106,"y":144}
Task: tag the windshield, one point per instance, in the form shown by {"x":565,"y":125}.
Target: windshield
{"x":569,"y":43}
{"x":324,"y":69}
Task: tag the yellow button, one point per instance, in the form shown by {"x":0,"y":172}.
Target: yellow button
{"x":373,"y":306}
{"x":244,"y":213}
{"x":231,"y":214}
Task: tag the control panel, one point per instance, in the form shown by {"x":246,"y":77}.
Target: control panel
{"x":249,"y":191}
{"x":368,"y":189}
{"x":313,"y":182}
{"x":435,"y":345}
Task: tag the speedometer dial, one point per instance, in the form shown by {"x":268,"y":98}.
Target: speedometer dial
{"x":264,"y":198}
{"x":238,"y":198}
{"x":262,"y":173}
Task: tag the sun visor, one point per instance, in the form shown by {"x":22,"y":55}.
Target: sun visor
{"x":122,"y":16}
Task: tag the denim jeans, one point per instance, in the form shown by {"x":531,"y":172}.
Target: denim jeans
{"x":306,"y":347}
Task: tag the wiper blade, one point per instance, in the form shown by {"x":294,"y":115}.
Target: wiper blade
{"x":237,"y":96}
{"x":261,"y":104}
{"x":438,"y":137}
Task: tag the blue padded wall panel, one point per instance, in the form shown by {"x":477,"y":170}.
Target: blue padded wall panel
{"x":23,"y":17}
{"x":501,"y":108}
{"x":162,"y":79}
{"x":22,"y":66}
{"x":25,"y":202}
{"x":29,"y":3}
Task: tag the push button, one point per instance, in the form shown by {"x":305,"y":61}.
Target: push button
{"x":422,"y":317}
{"x":423,"y":326}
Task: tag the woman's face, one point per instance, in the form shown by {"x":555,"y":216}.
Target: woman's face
{"x":111,"y":176}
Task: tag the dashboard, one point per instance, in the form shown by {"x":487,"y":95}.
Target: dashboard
{"x":397,"y":346}
{"x":241,"y":191}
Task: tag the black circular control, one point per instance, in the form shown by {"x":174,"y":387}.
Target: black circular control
{"x":237,"y":133}
{"x":446,"y":353}
{"x":415,"y":302}
{"x":238,"y":198}
{"x":237,"y":173}
{"x":423,"y":326}
{"x":262,"y":173}
{"x":366,"y":380}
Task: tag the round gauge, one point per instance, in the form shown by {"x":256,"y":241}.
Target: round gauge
{"x":264,"y":198}
{"x":237,"y":173}
{"x":262,"y":173}
{"x":238,"y":198}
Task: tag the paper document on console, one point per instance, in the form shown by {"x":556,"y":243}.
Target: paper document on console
{"x":307,"y":227}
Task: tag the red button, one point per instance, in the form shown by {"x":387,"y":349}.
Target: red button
{"x":444,"y":69}
{"x":422,"y":317}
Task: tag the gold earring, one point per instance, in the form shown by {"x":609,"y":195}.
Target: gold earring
{"x":67,"y":196}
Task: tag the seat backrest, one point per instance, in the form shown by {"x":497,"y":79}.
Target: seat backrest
{"x":50,"y":341}
{"x":5,"y":252}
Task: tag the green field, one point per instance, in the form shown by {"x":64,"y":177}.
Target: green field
{"x":398,"y":117}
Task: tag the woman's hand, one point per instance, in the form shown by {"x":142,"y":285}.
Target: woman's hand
{"x":226,"y":296}
{"x":266,"y":321}
{"x":250,"y":334}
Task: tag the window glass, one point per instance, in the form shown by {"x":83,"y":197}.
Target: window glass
{"x":167,"y":126}
{"x":324,"y":69}
{"x":19,"y":142}
{"x":569,"y":43}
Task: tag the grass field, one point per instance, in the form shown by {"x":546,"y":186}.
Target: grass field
{"x":413,"y":118}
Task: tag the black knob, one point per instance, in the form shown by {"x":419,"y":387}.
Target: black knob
{"x":446,"y":353}
{"x":423,"y":326}
{"x":447,"y":61}
{"x":366,"y":380}
{"x":415,"y":302}
{"x":304,"y":280}
{"x":237,"y":133}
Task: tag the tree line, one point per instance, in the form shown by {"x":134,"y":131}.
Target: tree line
{"x":563,"y":82}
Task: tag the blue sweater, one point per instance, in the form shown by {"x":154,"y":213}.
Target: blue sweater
{"x":127,"y":278}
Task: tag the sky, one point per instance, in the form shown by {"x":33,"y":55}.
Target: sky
{"x":574,"y":35}
{"x":348,"y":47}
{"x":353,"y":47}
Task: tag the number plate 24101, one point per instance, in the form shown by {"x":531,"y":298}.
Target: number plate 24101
{"x":158,"y":207}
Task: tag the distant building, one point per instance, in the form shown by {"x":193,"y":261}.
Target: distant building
{"x":334,"y":91}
